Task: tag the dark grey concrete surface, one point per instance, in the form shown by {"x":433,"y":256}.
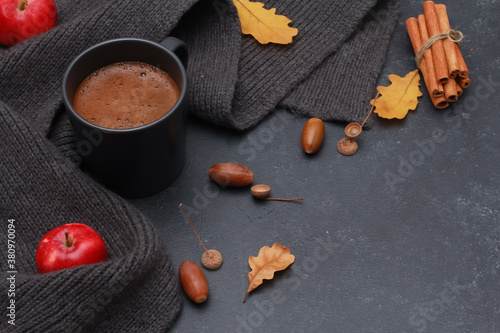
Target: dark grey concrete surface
{"x":402,"y":237}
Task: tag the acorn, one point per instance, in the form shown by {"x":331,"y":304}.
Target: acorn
{"x":312,"y":135}
{"x":193,"y":281}
{"x":230,"y":174}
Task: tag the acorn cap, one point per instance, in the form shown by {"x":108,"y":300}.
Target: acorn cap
{"x":260,"y":191}
{"x":352,"y":130}
{"x":347,"y":146}
{"x":211,"y":259}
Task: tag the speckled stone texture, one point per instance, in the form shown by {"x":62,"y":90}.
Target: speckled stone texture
{"x":402,"y":237}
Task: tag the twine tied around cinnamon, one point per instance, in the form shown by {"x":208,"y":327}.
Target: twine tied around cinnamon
{"x":453,"y":35}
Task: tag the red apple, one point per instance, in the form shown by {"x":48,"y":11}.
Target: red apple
{"x":70,"y":245}
{"x":21,"y":19}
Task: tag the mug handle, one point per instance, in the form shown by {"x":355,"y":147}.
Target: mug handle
{"x":178,"y":47}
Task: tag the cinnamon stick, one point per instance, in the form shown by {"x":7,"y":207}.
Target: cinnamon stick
{"x":438,"y":101}
{"x":450,"y":91}
{"x":437,"y":88}
{"x":464,"y":71}
{"x":450,"y":48}
{"x":464,"y":82}
{"x":459,"y":89}
{"x":438,"y":53}
{"x":429,"y":77}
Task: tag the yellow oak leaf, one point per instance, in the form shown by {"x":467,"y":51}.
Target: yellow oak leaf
{"x":398,"y":98}
{"x":269,"y":261}
{"x":263,"y":24}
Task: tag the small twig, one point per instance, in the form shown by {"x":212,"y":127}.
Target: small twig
{"x":279,"y":199}
{"x":192,"y":227}
{"x":371,"y":110}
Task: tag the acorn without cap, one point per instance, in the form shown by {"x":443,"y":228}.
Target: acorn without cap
{"x":312,"y":135}
{"x":230,"y":174}
{"x":193,"y":281}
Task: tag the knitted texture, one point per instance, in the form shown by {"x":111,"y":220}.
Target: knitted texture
{"x":359,"y":59}
{"x":329,"y":71}
{"x":136,"y":290}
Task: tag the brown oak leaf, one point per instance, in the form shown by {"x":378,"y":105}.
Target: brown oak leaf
{"x":269,"y":261}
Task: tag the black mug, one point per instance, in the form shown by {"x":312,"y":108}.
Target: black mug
{"x":139,"y":161}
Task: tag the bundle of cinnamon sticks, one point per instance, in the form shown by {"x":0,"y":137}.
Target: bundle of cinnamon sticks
{"x":442,"y":65}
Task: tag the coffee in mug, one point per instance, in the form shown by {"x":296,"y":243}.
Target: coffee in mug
{"x":125,"y":95}
{"x":146,"y":154}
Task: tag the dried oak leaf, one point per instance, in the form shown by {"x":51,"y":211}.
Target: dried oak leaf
{"x":401,"y":96}
{"x":263,"y":24}
{"x":269,"y":260}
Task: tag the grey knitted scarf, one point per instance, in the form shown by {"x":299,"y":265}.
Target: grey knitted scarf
{"x":329,"y":71}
